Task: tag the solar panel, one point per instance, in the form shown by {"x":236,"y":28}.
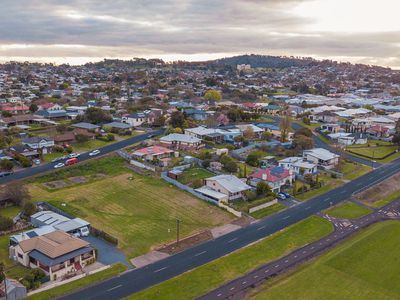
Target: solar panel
{"x":31,"y":234}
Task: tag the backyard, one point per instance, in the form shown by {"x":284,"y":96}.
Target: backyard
{"x":365,"y":267}
{"x":141,"y":211}
{"x":195,"y":174}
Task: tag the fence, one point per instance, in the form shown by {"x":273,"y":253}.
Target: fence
{"x":142,"y":165}
{"x":198,"y":195}
{"x":48,"y":206}
{"x":261,"y":206}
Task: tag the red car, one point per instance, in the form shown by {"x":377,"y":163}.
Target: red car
{"x":71,"y":161}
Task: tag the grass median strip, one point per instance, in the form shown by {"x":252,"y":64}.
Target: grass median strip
{"x":199,"y":281}
{"x":365,"y":267}
{"x":348,"y":210}
{"x":79,"y":283}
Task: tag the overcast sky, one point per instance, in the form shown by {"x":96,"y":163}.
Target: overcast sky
{"x":76,"y":31}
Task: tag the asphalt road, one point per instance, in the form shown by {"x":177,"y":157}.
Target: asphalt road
{"x":36,"y":170}
{"x":343,"y":229}
{"x":138,"y":279}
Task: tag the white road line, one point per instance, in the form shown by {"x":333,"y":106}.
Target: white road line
{"x":287,"y":217}
{"x":156,"y":271}
{"x":244,"y":282}
{"x":266,"y":271}
{"x":308,"y":207}
{"x":312,"y":248}
{"x":232,"y":288}
{"x":255,"y":276}
{"x":232,"y":240}
{"x":295,"y":256}
{"x":276,"y":266}
{"x":262,"y":227}
{"x":115,"y":287}
{"x":200,"y":253}
{"x":286,"y":261}
{"x":219,"y":295}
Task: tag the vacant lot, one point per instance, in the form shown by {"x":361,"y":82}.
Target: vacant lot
{"x":348,"y":210}
{"x":140,"y":211}
{"x":365,"y":267}
{"x":193,"y":174}
{"x":382,"y":193}
{"x":199,"y":281}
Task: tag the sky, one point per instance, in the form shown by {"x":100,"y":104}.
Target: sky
{"x":78,"y":31}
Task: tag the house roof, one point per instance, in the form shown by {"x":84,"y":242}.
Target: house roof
{"x":231,"y":183}
{"x":205,"y":190}
{"x":53,"y":244}
{"x":118,"y":125}
{"x":321,"y":153}
{"x":178,"y":137}
{"x":52,"y":261}
{"x":272,"y":174}
{"x":35,"y":139}
{"x":152,"y":150}
{"x":85,"y":125}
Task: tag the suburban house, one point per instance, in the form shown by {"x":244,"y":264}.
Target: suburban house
{"x":378,"y":132}
{"x":86,"y":126}
{"x":39,"y":142}
{"x":275,"y":177}
{"x":329,"y":127}
{"x":298,"y":166}
{"x":153,"y":152}
{"x":140,"y":118}
{"x":325,"y":117}
{"x":178,"y":141}
{"x":322,"y":157}
{"x":346,"y":138}
{"x":197,"y":114}
{"x":220,"y":185}
{"x":255,"y":129}
{"x":117,"y":126}
{"x":57,"y":253}
{"x":64,"y":139}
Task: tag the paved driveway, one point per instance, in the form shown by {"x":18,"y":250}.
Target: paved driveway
{"x":107,"y":253}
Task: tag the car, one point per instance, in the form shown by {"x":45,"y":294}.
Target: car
{"x":36,"y":161}
{"x":73,"y":155}
{"x":281,"y":196}
{"x":286,"y":194}
{"x":94,"y":152}
{"x":59,"y":165}
{"x":4,"y":174}
{"x":151,"y":135}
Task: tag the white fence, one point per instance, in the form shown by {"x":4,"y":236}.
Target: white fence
{"x":142,"y":165}
{"x":230,"y":209}
{"x":261,"y":206}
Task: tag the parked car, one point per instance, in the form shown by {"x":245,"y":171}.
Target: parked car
{"x":4,"y":174}
{"x":94,"y":152}
{"x":59,"y":165}
{"x":282,"y":196}
{"x":36,"y":161}
{"x":73,"y":155}
{"x":71,"y":161}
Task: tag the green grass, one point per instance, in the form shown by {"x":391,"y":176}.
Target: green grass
{"x":141,"y":212}
{"x":193,"y":174}
{"x":386,"y":200}
{"x":10,"y":212}
{"x":273,"y":209}
{"x":374,"y":152}
{"x":80,"y":283}
{"x":50,"y":156}
{"x":352,"y":170}
{"x":89,"y":145}
{"x":197,"y":282}
{"x":13,"y":270}
{"x":365,"y":267}
{"x":348,"y":210}
{"x":330,"y":184}
{"x":110,"y":166}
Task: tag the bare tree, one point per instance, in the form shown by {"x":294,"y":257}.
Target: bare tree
{"x":17,"y":193}
{"x":284,"y":126}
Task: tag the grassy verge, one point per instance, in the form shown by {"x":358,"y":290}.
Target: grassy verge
{"x":13,"y":270}
{"x":80,"y":283}
{"x":387,"y":199}
{"x":330,"y":184}
{"x":265,"y":212}
{"x":10,"y":212}
{"x":352,"y":170}
{"x":365,"y":267}
{"x":195,"y":283}
{"x":348,"y":210}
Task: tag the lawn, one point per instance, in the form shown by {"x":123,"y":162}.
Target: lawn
{"x":199,"y":281}
{"x":348,"y":210}
{"x":330,"y":184}
{"x":352,"y":170}
{"x":12,"y":269}
{"x":10,"y":212}
{"x":365,"y":267}
{"x":265,"y":212}
{"x":140,"y":211}
{"x":193,"y":174}
{"x":78,"y":284}
{"x":374,"y":152}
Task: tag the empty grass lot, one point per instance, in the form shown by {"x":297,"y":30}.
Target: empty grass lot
{"x":199,"y":281}
{"x":365,"y":267}
{"x":140,"y":211}
{"x":265,"y":212}
{"x":194,"y":174}
{"x":348,"y":210}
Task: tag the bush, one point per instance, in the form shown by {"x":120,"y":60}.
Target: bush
{"x":5,"y":223}
{"x":110,"y":137}
{"x":29,"y":209}
{"x":33,"y":279}
{"x":231,"y":167}
{"x":197,"y":183}
{"x":206,"y":163}
{"x":81,"y":138}
{"x":58,"y":148}
{"x":25,"y":162}
{"x":263,"y":188}
{"x":250,"y":195}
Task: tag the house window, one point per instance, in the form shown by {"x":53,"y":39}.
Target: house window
{"x":32,"y":260}
{"x":20,"y":255}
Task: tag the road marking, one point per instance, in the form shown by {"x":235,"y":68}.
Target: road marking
{"x":276,"y":266}
{"x":219,"y":295}
{"x":115,"y":287}
{"x":232,"y":288}
{"x":287,"y":217}
{"x":244,"y":282}
{"x":200,"y":253}
{"x":156,"y":271}
{"x":262,"y":227}
{"x":266,"y":271}
{"x":308,"y":207}
{"x":312,"y":248}
{"x":295,"y":256}
{"x":232,"y":240}
{"x":256,"y":276}
{"x":286,"y":261}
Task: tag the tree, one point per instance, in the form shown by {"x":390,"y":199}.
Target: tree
{"x":396,"y":136}
{"x":2,"y":270}
{"x":5,"y":140}
{"x":302,"y":142}
{"x":263,"y":189}
{"x":252,"y":159}
{"x":212,"y":95}
{"x":33,"y":107}
{"x":95,"y":115}
{"x":177,"y":119}
{"x":231,"y":167}
{"x":81,"y":138}
{"x":29,"y":209}
{"x":303,"y":131}
{"x":61,"y":128}
{"x":17,"y":193}
{"x":6,"y":223}
{"x":284,"y":126}
{"x":248,"y":133}
{"x":6,"y":165}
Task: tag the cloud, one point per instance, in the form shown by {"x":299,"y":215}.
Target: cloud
{"x":119,"y":28}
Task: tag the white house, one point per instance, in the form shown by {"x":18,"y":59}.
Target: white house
{"x":228,"y":185}
{"x":298,"y":165}
{"x":38,"y":142}
{"x":322,"y":157}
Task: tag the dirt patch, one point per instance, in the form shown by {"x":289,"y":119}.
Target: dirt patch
{"x":58,"y":184}
{"x":186,"y":243}
{"x":78,"y":179}
{"x":379,"y":191}
{"x":243,"y":221}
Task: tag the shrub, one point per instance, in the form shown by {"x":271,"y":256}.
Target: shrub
{"x":58,"y":148}
{"x":263,"y":188}
{"x":29,"y":209}
{"x":206,"y":163}
{"x":5,"y":223}
{"x":231,"y":167}
{"x":250,"y":195}
{"x":81,"y":138}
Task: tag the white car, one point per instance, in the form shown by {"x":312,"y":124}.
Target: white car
{"x":73,"y":155}
{"x":94,"y":152}
{"x":59,"y":165}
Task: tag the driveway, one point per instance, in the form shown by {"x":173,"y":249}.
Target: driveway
{"x":107,"y":253}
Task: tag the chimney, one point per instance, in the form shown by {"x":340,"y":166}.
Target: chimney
{"x":264,"y":176}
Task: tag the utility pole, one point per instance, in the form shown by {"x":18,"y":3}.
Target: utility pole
{"x":373,"y":158}
{"x":177,"y":231}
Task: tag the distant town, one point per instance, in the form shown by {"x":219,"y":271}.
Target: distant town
{"x":180,"y":168}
